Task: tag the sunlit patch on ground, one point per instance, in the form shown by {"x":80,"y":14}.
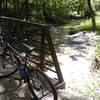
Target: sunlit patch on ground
{"x":75,"y":61}
{"x":76,"y":69}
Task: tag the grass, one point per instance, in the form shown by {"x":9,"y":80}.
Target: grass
{"x":90,"y":88}
{"x":82,"y":24}
{"x":98,"y":49}
{"x":72,"y":26}
{"x":87,"y":24}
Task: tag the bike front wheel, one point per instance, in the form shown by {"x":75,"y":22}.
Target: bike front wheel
{"x":7,"y":65}
{"x":40,"y":86}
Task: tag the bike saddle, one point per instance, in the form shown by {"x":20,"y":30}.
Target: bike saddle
{"x":28,"y":47}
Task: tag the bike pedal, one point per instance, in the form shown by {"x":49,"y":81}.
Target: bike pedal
{"x":3,"y":66}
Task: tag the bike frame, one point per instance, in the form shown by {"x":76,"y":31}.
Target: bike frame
{"x":24,"y":73}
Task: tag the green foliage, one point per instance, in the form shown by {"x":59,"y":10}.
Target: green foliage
{"x":87,"y":24}
{"x":78,"y":6}
{"x":54,"y":11}
{"x":97,"y":5}
{"x":97,"y":52}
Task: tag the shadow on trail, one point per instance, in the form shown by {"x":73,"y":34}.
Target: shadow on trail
{"x":77,"y":41}
{"x":13,"y":90}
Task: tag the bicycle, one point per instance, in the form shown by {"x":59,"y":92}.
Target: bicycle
{"x":37,"y":81}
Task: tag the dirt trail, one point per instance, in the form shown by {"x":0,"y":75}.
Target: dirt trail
{"x":75,"y":63}
{"x":76,"y":67}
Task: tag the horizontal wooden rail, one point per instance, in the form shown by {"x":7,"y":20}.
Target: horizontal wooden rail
{"x":46,"y":61}
{"x":50,"y":69}
{"x":44,"y":40}
{"x":22,"y":21}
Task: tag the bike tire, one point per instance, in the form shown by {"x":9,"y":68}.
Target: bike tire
{"x":41,"y":86}
{"x":7,"y":65}
{"x":10,"y":84}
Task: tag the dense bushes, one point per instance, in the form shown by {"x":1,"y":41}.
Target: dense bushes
{"x":97,"y":5}
{"x":50,"y":11}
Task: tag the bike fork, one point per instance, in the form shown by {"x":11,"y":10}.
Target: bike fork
{"x":32,"y":91}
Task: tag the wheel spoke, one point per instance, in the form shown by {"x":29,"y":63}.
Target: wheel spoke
{"x":41,"y":85}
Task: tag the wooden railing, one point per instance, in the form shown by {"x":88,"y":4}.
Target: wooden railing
{"x":13,"y":27}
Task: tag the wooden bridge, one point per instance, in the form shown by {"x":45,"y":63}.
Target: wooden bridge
{"x":36,"y":35}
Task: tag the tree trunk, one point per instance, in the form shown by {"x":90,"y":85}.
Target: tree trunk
{"x":44,"y":9}
{"x":92,"y":13}
{"x":0,"y":6}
